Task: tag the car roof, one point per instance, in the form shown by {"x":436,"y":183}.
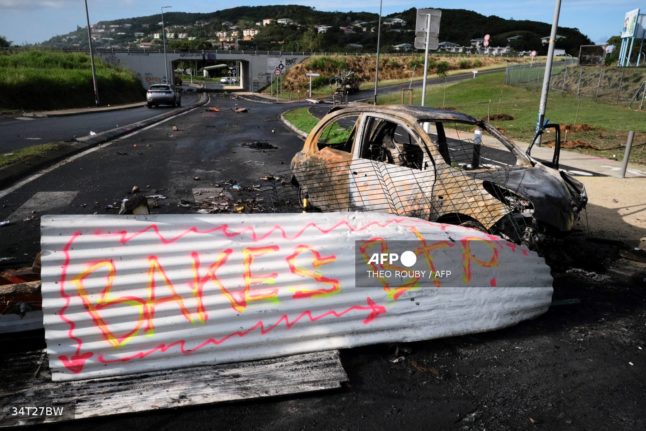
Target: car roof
{"x":417,"y":112}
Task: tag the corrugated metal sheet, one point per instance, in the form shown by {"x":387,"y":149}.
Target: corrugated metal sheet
{"x":126,"y":294}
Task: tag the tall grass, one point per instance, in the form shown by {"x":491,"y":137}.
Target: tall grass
{"x":53,"y":80}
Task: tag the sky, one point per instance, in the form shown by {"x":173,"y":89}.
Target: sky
{"x":33,"y":21}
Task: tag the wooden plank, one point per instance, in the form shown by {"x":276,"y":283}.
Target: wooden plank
{"x":27,"y":383}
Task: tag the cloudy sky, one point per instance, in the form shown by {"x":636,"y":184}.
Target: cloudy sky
{"x":31,"y":21}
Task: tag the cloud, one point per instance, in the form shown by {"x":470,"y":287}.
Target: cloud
{"x":31,"y":4}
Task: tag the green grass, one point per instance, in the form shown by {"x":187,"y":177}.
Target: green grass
{"x":301,"y":119}
{"x":53,"y":80}
{"x":488,"y":95}
{"x":27,"y":153}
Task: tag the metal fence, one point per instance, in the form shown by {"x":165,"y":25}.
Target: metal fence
{"x":625,"y":86}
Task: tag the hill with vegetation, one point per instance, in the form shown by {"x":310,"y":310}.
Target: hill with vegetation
{"x":347,"y":30}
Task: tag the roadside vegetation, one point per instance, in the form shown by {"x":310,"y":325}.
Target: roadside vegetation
{"x":28,"y":154}
{"x":301,"y":119}
{"x":37,"y":79}
{"x":587,"y":124}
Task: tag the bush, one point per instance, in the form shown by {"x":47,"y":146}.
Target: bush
{"x":477,"y":63}
{"x":464,"y":64}
{"x":327,"y":64}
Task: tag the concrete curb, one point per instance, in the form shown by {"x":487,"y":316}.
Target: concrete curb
{"x":82,"y":111}
{"x":12,"y":173}
{"x":290,"y":126}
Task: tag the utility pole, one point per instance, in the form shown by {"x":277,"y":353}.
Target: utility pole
{"x":89,"y":39}
{"x":168,"y":77}
{"x":548,"y":70}
{"x":378,"y":46}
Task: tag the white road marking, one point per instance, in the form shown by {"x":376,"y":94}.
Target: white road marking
{"x":42,"y":202}
{"x":70,"y":159}
{"x":33,"y":139}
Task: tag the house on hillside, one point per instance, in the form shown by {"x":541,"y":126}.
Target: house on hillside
{"x":545,"y":40}
{"x":249,"y":33}
{"x":394,"y":21}
{"x":267,"y":21}
{"x":322,"y":28}
{"x":403,"y":47}
{"x":285,"y":21}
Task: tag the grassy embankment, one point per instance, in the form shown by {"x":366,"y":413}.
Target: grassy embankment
{"x":590,"y":126}
{"x":42,"y":80}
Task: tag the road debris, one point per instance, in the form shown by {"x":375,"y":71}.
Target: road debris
{"x":196,"y":178}
{"x":135,"y":189}
{"x":137,"y":205}
{"x":5,"y":223}
{"x":212,"y":109}
{"x":184,"y":204}
{"x":240,"y":110}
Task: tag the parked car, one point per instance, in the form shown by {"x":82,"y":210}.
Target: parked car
{"x":163,"y":94}
{"x":228,"y":80}
{"x":439,"y":165}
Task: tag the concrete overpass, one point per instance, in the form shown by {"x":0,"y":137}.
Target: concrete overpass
{"x":256,"y":67}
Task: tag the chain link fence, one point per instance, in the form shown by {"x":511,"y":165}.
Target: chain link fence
{"x":622,"y":86}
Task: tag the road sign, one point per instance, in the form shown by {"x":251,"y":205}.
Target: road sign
{"x":313,"y":75}
{"x":485,"y":42}
{"x":421,"y":28}
{"x":281,"y":66}
{"x":533,"y":53}
{"x":278,"y":72}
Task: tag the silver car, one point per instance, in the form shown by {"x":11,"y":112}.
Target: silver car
{"x":163,"y":94}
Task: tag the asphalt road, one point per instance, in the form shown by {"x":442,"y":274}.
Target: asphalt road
{"x":578,"y":367}
{"x":20,"y":132}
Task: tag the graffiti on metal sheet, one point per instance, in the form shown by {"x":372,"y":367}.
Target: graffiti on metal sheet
{"x":290,"y":272}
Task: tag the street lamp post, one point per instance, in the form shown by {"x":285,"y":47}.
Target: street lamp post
{"x":89,"y":39}
{"x":378,"y":43}
{"x":168,"y":79}
{"x":548,"y":70}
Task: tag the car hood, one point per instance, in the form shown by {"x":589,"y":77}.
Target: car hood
{"x":556,"y":203}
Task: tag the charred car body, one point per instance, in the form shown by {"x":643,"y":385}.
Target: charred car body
{"x":439,"y":165}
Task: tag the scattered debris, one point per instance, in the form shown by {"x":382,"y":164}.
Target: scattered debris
{"x":196,"y":178}
{"x":240,"y":110}
{"x":236,"y":187}
{"x":184,"y":204}
{"x":259,"y":145}
{"x":135,"y":189}
{"x":92,"y":133}
{"x":162,"y":197}
{"x":212,"y":109}
{"x":175,"y":129}
{"x":5,"y":223}
{"x":137,"y":205}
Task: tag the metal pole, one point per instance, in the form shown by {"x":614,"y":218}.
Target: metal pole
{"x":548,"y":70}
{"x":428,"y":42}
{"x":89,"y":40}
{"x":168,"y":80}
{"x":378,"y":46}
{"x":310,"y":96}
{"x":629,"y":145}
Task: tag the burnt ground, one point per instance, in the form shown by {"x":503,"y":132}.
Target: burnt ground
{"x":580,"y":366}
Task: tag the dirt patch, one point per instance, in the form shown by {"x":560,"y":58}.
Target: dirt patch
{"x":577,"y":143}
{"x":501,"y":117}
{"x":576,"y":128}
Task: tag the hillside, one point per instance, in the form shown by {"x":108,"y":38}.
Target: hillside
{"x":301,"y":30}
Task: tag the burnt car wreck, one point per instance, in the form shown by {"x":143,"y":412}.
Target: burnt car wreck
{"x":439,"y":165}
